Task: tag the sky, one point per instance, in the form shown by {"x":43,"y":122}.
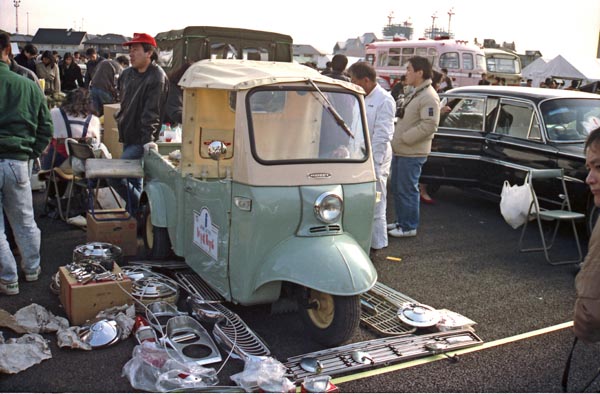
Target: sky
{"x":570,"y":28}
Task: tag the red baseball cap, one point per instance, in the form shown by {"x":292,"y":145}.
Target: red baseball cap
{"x":141,"y":38}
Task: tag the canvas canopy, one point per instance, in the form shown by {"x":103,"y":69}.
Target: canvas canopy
{"x":586,"y":70}
{"x":194,"y":43}
{"x":246,"y":74}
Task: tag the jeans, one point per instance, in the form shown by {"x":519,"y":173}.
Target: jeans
{"x":99,"y":98}
{"x":17,"y":204}
{"x":134,"y":185}
{"x":406,"y":172}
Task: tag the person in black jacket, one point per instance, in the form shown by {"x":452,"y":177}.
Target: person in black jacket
{"x":143,"y":89}
{"x":70,"y":74}
{"x":174,"y":105}
{"x":27,"y":57}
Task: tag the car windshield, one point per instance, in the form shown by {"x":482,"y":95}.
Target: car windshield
{"x":570,"y":120}
{"x":296,"y":125}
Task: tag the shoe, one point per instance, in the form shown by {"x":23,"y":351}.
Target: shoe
{"x":11,"y":288}
{"x":427,"y":200}
{"x":33,"y":276}
{"x":392,"y":226}
{"x":399,"y":233}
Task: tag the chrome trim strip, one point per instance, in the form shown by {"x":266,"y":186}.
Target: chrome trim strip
{"x":493,"y":161}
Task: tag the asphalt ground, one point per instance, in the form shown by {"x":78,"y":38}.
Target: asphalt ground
{"x":464,"y":258}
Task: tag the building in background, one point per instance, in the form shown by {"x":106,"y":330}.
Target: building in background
{"x":111,"y":44}
{"x":20,"y":39}
{"x":59,"y":40}
{"x":355,"y":47}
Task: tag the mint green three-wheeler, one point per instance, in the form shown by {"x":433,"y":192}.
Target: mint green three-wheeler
{"x":273,"y":194}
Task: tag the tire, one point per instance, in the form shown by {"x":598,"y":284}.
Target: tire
{"x":156,"y":239}
{"x":330,"y":320}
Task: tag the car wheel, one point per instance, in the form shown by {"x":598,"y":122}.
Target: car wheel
{"x":156,"y":239}
{"x":330,"y":320}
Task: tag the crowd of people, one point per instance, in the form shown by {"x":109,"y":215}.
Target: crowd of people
{"x":30,"y":130}
{"x":401,"y":142}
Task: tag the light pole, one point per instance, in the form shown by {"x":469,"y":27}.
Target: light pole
{"x":450,"y":13}
{"x":433,"y":18}
{"x":17,"y":3}
{"x":27,"y":22}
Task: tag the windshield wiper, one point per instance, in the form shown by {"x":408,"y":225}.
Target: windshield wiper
{"x":327,"y":105}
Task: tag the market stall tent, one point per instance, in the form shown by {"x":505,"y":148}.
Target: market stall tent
{"x":586,"y":70}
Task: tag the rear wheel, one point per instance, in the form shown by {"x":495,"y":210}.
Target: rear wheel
{"x":156,"y":239}
{"x":331,"y":320}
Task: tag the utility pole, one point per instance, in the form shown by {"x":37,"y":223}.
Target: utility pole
{"x":450,"y":13}
{"x":27,"y":22}
{"x":433,"y":18}
{"x":390,"y":17}
{"x":17,"y":3}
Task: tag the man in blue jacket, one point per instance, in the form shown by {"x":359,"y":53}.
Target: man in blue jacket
{"x":25,"y":131}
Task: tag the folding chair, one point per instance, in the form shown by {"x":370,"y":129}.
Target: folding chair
{"x":56,"y":177}
{"x":563,"y":214}
{"x":82,"y":152}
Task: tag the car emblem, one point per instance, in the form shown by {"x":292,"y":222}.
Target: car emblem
{"x":319,"y":175}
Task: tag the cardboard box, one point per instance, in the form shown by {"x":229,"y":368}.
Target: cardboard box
{"x":83,"y":302}
{"x":110,"y":136}
{"x":113,"y":226}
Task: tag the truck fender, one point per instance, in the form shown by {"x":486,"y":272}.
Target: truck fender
{"x":161,"y":199}
{"x":335,"y":265}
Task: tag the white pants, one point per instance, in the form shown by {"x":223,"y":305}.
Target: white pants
{"x":379,"y":237}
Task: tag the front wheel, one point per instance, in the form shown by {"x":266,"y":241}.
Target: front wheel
{"x":156,"y":239}
{"x":331,"y":320}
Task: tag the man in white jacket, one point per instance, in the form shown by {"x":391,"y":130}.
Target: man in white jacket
{"x":381,"y":108}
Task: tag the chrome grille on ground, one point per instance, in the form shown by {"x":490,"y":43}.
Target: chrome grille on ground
{"x":379,"y":310}
{"x":382,"y":351}
{"x":232,"y":330}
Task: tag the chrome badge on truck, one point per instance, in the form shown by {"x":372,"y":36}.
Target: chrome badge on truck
{"x":319,"y":175}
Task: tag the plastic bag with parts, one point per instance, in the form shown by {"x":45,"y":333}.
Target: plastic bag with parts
{"x":151,"y":369}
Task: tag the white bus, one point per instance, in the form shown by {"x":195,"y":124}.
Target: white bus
{"x":465,"y":62}
{"x":503,"y":64}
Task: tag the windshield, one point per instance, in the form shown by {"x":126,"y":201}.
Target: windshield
{"x":503,"y":65}
{"x":294,"y":125}
{"x":570,"y":120}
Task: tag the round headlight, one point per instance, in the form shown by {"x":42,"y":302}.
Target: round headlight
{"x":328,"y":207}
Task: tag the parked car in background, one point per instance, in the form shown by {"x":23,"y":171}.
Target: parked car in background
{"x":495,"y":133}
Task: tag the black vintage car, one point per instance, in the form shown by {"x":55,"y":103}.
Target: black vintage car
{"x":489,"y":134}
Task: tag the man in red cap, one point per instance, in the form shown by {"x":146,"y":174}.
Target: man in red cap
{"x":143,"y":90}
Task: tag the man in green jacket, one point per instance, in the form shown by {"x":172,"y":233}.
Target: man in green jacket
{"x":25,"y":131}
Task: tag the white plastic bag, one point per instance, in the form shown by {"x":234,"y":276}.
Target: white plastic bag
{"x":515,"y":203}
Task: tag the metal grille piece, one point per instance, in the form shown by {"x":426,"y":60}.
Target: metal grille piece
{"x":379,"y":310}
{"x":381,"y":351}
{"x":194,"y":284}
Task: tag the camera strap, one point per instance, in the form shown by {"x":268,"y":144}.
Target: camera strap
{"x":412,"y":96}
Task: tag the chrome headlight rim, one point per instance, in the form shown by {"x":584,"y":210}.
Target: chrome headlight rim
{"x":322,"y":202}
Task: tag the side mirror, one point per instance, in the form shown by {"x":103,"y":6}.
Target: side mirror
{"x":216,"y":149}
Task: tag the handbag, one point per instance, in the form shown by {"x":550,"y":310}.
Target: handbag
{"x":516,"y":203}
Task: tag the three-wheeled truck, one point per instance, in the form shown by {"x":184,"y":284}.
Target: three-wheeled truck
{"x":274,"y":193}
